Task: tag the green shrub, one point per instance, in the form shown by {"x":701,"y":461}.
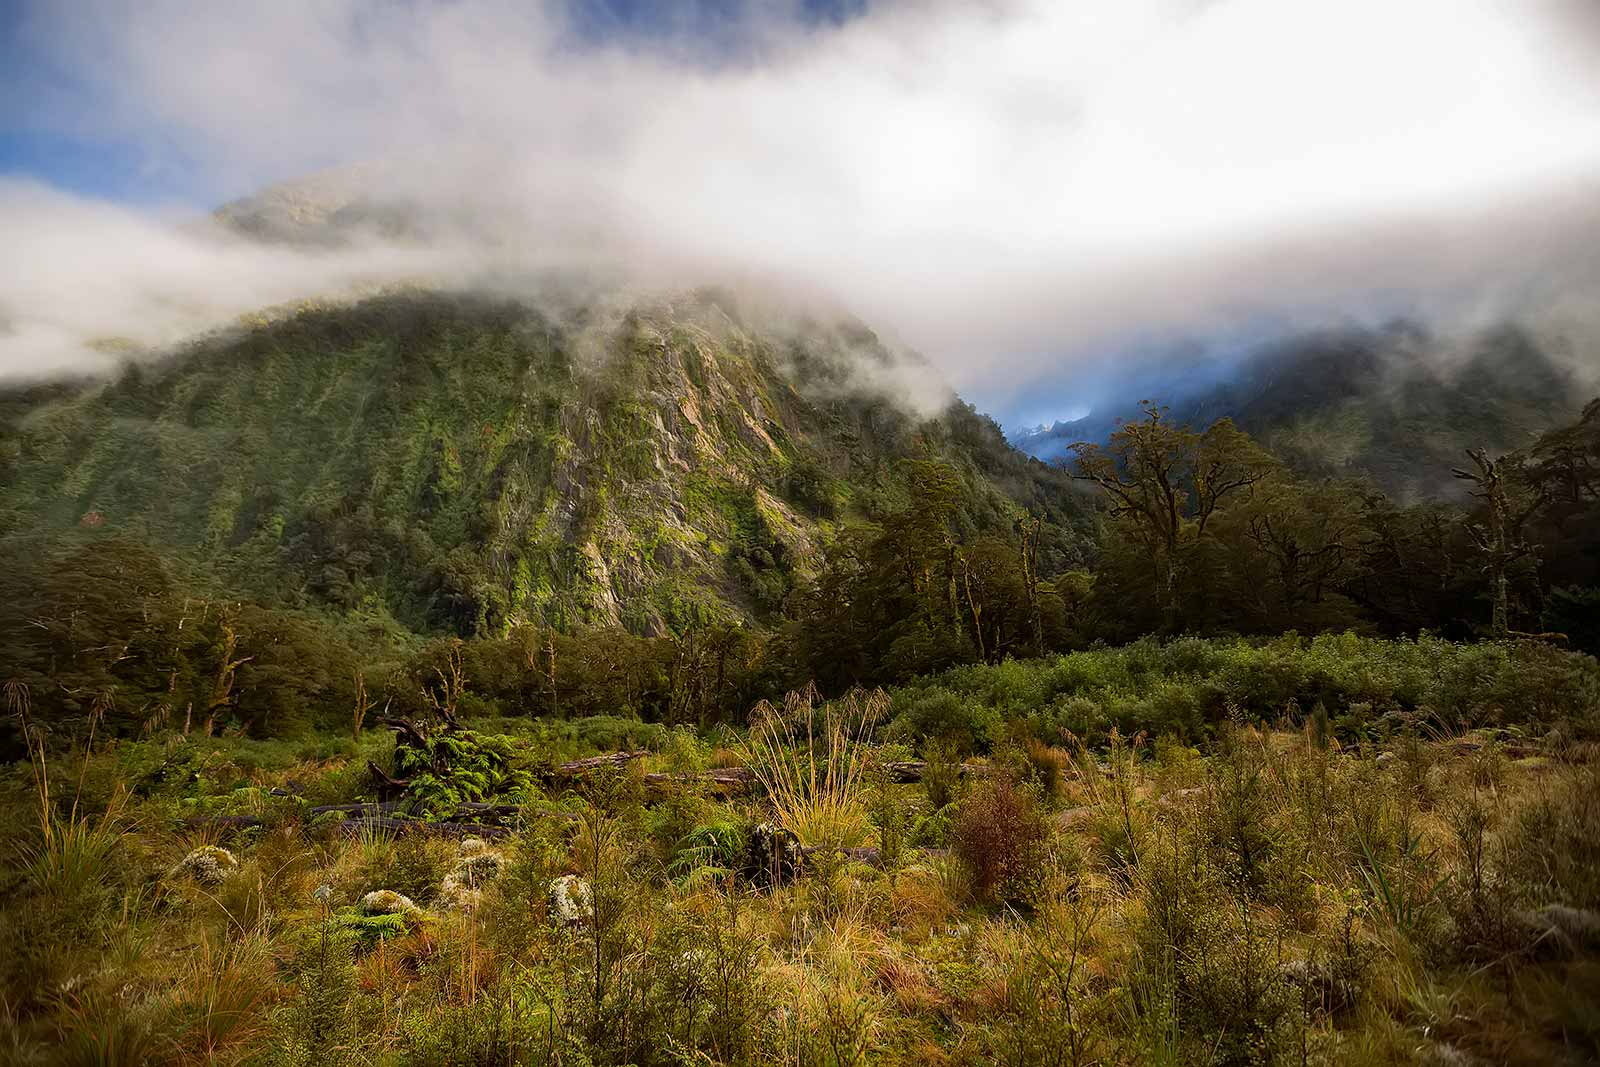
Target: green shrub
{"x":1518,"y":682}
{"x":1218,"y":958}
{"x":717,"y":847}
{"x":941,"y":715}
{"x":462,"y":765}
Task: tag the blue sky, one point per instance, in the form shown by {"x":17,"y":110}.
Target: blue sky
{"x":47,"y":110}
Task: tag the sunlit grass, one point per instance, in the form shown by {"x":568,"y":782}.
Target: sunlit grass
{"x":812,"y":763}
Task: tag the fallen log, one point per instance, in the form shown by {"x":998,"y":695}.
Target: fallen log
{"x":727,"y":780}
{"x":388,"y":807}
{"x":422,"y":826}
{"x":234,"y":823}
{"x":913,"y":770}
{"x":476,"y":807}
{"x":870,"y":856}
{"x":387,"y":786}
{"x":610,"y":761}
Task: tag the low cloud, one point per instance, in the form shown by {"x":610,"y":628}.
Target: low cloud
{"x":1013,"y":188}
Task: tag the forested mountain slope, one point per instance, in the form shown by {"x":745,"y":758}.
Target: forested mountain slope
{"x":466,"y":464}
{"x":1393,"y":406}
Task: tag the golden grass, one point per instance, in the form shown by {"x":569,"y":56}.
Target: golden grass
{"x":813,"y":763}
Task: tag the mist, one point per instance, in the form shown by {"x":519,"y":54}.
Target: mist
{"x":1014,"y":188}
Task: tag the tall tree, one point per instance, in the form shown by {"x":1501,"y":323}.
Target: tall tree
{"x":1168,"y":482}
{"x":1509,"y":500}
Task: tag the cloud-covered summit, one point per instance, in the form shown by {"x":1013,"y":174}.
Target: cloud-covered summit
{"x":1008,"y":186}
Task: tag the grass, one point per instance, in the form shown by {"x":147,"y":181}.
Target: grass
{"x":813,"y":763}
{"x":1272,"y":894}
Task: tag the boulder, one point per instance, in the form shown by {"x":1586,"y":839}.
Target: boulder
{"x":387,"y":902}
{"x":476,"y":866}
{"x":1559,"y":930}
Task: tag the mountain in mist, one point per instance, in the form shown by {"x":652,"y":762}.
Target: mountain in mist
{"x":462,"y":463}
{"x":1393,"y":406}
{"x":323,"y":208}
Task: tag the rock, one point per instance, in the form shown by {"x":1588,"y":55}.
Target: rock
{"x":870,"y":856}
{"x":1321,"y":986}
{"x":1071,"y":817}
{"x":1442,"y":1054}
{"x":1579,"y":924}
{"x":208,"y":865}
{"x":388,"y":902}
{"x":570,"y":900}
{"x":1178,"y":796}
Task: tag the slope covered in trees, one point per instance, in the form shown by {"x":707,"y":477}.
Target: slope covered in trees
{"x":1394,"y":407}
{"x":618,"y":507}
{"x":469,"y":465}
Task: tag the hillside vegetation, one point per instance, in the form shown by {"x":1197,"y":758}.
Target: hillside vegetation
{"x":1360,"y":880}
{"x":1393,"y":407}
{"x":466,"y":465}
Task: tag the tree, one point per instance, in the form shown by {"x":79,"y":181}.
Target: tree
{"x":1283,"y":556}
{"x":1509,"y":501}
{"x":1168,"y":482}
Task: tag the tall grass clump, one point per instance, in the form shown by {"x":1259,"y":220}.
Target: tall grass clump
{"x":812,"y":762}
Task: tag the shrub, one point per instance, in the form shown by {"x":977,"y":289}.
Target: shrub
{"x":410,"y":864}
{"x":1518,"y":682}
{"x":717,"y":847}
{"x":1068,"y":717}
{"x":461,"y":765}
{"x":1261,"y":858}
{"x":1046,"y":766}
{"x":941,"y":775}
{"x":482,"y":1033}
{"x":1552,"y":846}
{"x":940,"y":714}
{"x":1001,"y":837}
{"x":1216,"y":955}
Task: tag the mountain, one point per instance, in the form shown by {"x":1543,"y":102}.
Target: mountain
{"x":1393,"y":406}
{"x":463,"y":463}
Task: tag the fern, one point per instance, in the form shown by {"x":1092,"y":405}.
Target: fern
{"x":462,"y":766}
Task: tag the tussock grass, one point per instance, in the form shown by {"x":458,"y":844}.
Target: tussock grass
{"x":813,"y":761}
{"x":1265,"y":895}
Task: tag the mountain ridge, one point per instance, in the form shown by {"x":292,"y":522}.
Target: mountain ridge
{"x":469,"y":463}
{"x":1392,"y":406}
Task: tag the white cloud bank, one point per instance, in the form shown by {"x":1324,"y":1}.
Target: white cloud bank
{"x":1005,"y":185}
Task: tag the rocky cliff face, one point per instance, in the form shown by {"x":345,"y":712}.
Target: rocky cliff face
{"x":467,"y":463}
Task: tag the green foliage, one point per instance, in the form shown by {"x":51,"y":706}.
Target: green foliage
{"x":1186,"y":687}
{"x":455,"y":766}
{"x":713,"y":849}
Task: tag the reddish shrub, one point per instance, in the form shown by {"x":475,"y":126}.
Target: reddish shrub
{"x":1000,"y":835}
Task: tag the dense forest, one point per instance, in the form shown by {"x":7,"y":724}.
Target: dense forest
{"x":443,"y":681}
